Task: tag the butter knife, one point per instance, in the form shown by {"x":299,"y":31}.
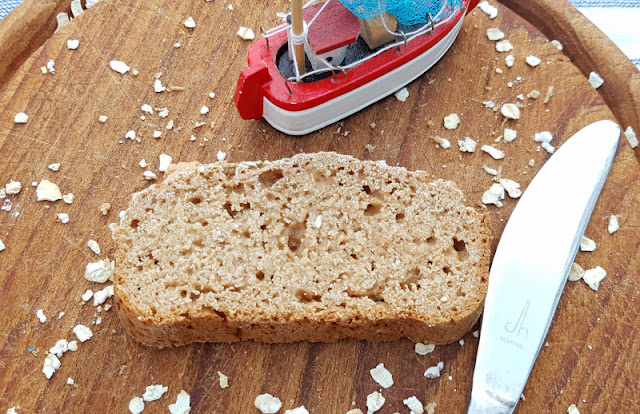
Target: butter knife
{"x":531,"y":264}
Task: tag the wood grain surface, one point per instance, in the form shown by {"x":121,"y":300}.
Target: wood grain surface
{"x":593,"y":344}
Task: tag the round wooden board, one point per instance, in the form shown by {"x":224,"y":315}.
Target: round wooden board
{"x":593,"y":344}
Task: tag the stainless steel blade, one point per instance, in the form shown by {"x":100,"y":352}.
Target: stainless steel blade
{"x":531,"y":264}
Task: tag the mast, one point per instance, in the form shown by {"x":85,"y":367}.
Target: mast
{"x":297,"y":29}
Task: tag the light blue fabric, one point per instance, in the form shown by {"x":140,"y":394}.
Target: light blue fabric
{"x":6,"y":6}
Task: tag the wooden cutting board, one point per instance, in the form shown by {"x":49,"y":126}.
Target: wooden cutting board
{"x":594,"y":341}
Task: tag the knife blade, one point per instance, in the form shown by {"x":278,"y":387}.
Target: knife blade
{"x":531,"y":264}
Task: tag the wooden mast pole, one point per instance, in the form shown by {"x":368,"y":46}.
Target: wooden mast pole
{"x":297,"y":28}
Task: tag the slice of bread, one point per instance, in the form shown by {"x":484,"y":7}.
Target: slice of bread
{"x":317,"y":247}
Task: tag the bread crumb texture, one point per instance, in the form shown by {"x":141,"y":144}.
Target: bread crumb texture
{"x":317,"y":247}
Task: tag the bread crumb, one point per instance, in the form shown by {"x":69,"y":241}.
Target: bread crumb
{"x":489,"y":170}
{"x":82,"y":332}
{"x":512,"y":187}
{"x":414,"y":404}
{"x":164,"y":161}
{"x":221,"y":156}
{"x":431,"y":408}
{"x":382,"y":376}
{"x":70,"y":381}
{"x":147,"y":109}
{"x":576,"y":273}
{"x":15,"y":408}
{"x":72,"y":44}
{"x":488,"y":9}
{"x":573,"y":409}
{"x":534,"y":94}
{"x":587,"y":245}
{"x":157,"y":86}
{"x":136,"y":405}
{"x":21,"y":118}
{"x":467,"y":145}
{"x":533,"y":61}
{"x":245,"y":33}
{"x":504,"y":46}
{"x":104,"y":208}
{"x":41,"y":316}
{"x":102,"y":295}
{"x":375,"y":401}
{"x":630,"y":134}
{"x":154,"y":392}
{"x":131,"y":134}
{"x":434,"y":372}
{"x":557,"y":44}
{"x":99,"y":271}
{"x":402,"y":94}
{"x":451,"y":121}
{"x":223,"y":380}
{"x":548,"y":96}
{"x":51,"y":66}
{"x":443,"y":142}
{"x":593,"y":277}
{"x":509,"y":61}
{"x":595,"y":80}
{"x":494,"y":195}
{"x":189,"y":23}
{"x":267,"y":403}
{"x":149,"y":175}
{"x":68,"y":198}
{"x":613,"y":224}
{"x":103,"y":118}
{"x":87,"y":295}
{"x":94,"y":246}
{"x":509,"y":135}
{"x":510,"y":111}
{"x":495,"y":34}
{"x":182,"y":404}
{"x":119,"y":66}
{"x":2,"y":246}
{"x":548,"y":147}
{"x":12,"y":187}
{"x":51,"y":365}
{"x":204,"y":110}
{"x":297,"y":410}
{"x":476,"y":334}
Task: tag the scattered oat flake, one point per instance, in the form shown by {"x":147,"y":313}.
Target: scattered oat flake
{"x":382,"y":376}
{"x":103,"y":118}
{"x":576,"y":273}
{"x":614,"y":225}
{"x":136,"y":405}
{"x":488,"y":9}
{"x":164,"y":161}
{"x":131,"y":134}
{"x":431,"y":408}
{"x":2,"y":246}
{"x":154,"y":392}
{"x":221,"y":156}
{"x":533,"y":61}
{"x":94,"y":246}
{"x":414,"y":404}
{"x":143,"y":163}
{"x":375,"y":401}
{"x":163,"y":112}
{"x":87,"y":295}
{"x":101,"y":296}
{"x":467,"y":145}
{"x":434,"y":372}
{"x":544,"y":136}
{"x":223,"y":380}
{"x":119,"y":66}
{"x":451,"y":121}
{"x":149,"y":175}
{"x":494,"y":195}
{"x":70,"y":381}
{"x":41,"y":316}
{"x":573,"y":409}
{"x":631,"y":137}
{"x":593,"y":277}
{"x":212,"y":95}
{"x":489,"y":170}
{"x":355,"y":411}
{"x":534,"y":94}
{"x":13,"y":410}
{"x":13,"y":187}
{"x":557,"y":44}
{"x":48,"y":191}
{"x":595,"y":80}
{"x":204,"y":110}
{"x":189,"y":23}
{"x":157,"y":86}
{"x":51,"y":365}
{"x":21,"y":118}
{"x":443,"y":142}
{"x":267,"y":403}
{"x":63,"y":217}
{"x":587,"y":245}
{"x":510,"y":110}
{"x":504,"y":46}
{"x":512,"y":187}
{"x":147,"y":109}
{"x":509,"y":61}
{"x":509,"y":134}
{"x":246,"y":33}
{"x":82,"y":332}
{"x":51,"y":66}
{"x":68,"y":198}
{"x":99,"y":271}
{"x":495,"y":34}
{"x":493,"y":151}
{"x":157,"y":134}
{"x":549,"y":94}
{"x":54,"y":166}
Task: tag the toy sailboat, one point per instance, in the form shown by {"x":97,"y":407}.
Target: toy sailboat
{"x":330,"y":59}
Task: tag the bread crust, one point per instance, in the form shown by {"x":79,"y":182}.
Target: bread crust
{"x":377,"y":316}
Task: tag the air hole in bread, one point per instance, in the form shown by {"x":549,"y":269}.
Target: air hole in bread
{"x":372,"y":209}
{"x":295,"y":235}
{"x":195,"y":200}
{"x":431,"y":240}
{"x":183,"y":293}
{"x":366,"y":189}
{"x":134,"y":223}
{"x":260,"y":275}
{"x":400,"y":217}
{"x":270,"y":177}
{"x":194,"y":295}
{"x":304,"y":296}
{"x":447,"y":270}
{"x":204,"y":223}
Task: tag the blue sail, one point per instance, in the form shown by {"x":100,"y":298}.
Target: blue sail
{"x":407,"y":12}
